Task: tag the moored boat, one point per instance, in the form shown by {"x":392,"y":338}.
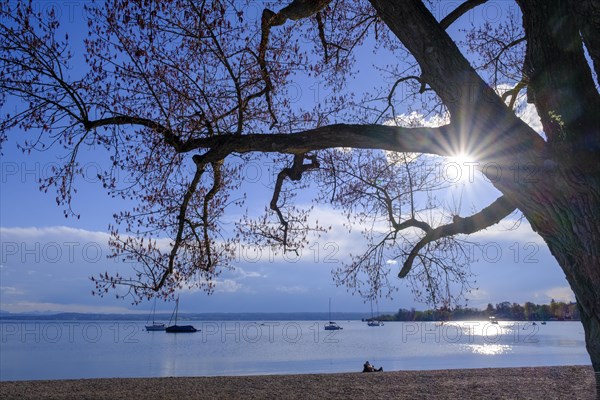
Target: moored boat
{"x":179,"y":328}
{"x":331,"y":326}
{"x":373,"y":321}
{"x":154,"y":326}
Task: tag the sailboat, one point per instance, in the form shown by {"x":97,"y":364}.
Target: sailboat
{"x":155,"y":326}
{"x":331,"y":326}
{"x":178,"y":328}
{"x":373,"y":321}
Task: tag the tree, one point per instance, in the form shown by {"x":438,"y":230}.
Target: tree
{"x":503,"y":309}
{"x":517,"y":311}
{"x":554,"y":308}
{"x":176,"y":85}
{"x":530,"y":311}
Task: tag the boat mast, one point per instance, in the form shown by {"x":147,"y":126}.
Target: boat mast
{"x":153,"y":311}
{"x":175,"y":312}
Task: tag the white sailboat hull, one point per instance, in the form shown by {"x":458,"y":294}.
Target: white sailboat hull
{"x":155,"y":327}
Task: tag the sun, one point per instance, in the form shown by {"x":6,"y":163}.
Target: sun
{"x":462,"y":159}
{"x":459,"y":168}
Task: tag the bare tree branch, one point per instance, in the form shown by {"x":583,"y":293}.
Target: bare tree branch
{"x":200,"y":165}
{"x":471,"y":102}
{"x":383,"y":137}
{"x":296,"y":10}
{"x":514,"y":93}
{"x":293,"y":173}
{"x":487,"y":217}
{"x":459,"y":12}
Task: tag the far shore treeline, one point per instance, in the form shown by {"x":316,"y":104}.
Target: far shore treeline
{"x":555,"y":311}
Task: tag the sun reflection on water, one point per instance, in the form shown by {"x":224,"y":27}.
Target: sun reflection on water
{"x":490,"y":349}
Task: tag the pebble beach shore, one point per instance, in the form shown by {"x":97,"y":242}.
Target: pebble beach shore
{"x":569,"y":382}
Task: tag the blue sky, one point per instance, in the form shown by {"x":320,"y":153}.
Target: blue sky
{"x":46,"y":260}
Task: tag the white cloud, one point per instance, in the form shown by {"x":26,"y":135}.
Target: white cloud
{"x":416,"y":119}
{"x":505,"y":230}
{"x":227,"y":286}
{"x":220,"y":286}
{"x":479,"y":295}
{"x":563,"y":293}
{"x":527,"y":112}
{"x":48,"y":269}
{"x":243,"y":274}
{"x":11,"y":291}
{"x":32,"y":306}
{"x":64,"y":234}
{"x":54,"y":232}
{"x":292,"y":289}
{"x":530,"y":116}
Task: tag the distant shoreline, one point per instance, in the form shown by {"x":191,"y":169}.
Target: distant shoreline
{"x":221,"y":316}
{"x":565,"y":382}
{"x":257,"y":316}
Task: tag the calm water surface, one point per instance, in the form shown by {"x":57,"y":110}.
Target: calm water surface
{"x":88,"y":349}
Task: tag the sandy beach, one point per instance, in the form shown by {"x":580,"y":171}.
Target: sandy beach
{"x":572,"y":382}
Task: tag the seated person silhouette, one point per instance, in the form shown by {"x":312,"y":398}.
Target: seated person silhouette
{"x":367,"y":367}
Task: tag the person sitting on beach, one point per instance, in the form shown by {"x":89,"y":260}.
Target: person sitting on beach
{"x":367,"y":367}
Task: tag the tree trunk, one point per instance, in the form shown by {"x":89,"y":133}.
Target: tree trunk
{"x":591,"y":326}
{"x":584,"y":277}
{"x":559,"y":188}
{"x":567,"y":217}
{"x":564,"y":206}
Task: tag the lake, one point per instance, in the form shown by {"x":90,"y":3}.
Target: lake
{"x":104,"y":349}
